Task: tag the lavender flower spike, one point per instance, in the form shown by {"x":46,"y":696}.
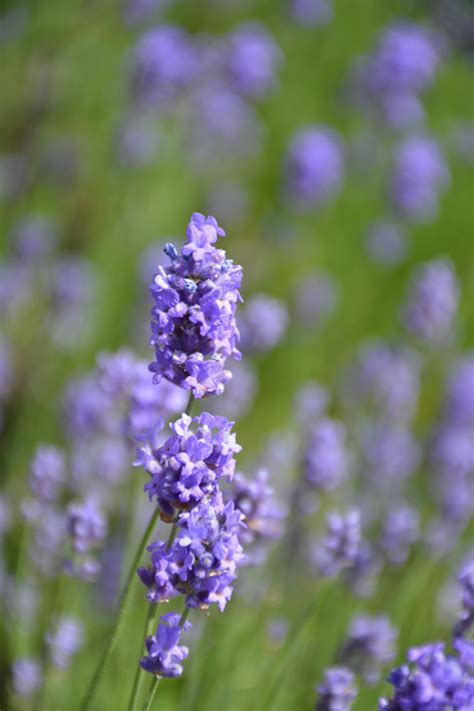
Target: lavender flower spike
{"x":337,"y":692}
{"x":341,"y":544}
{"x":193,"y":319}
{"x":369,"y":646}
{"x":164,"y":653}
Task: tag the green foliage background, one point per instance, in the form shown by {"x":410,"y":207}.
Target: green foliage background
{"x":76,"y":50}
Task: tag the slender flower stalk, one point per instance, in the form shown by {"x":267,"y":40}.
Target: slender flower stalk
{"x":124,"y":600}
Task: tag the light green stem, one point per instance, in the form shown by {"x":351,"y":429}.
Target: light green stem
{"x":124,"y":599}
{"x":149,"y":625}
{"x":151,"y":693}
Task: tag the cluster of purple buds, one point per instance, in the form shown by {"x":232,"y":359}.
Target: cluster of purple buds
{"x":326,"y":458}
{"x":337,"y":691}
{"x":314,"y":167}
{"x":386,"y":243}
{"x":385,"y":379}
{"x":164,"y":63}
{"x":188,"y":466}
{"x":263,"y":515}
{"x":432,"y":303}
{"x":432,"y":680}
{"x":87,"y":529}
{"x":341,"y":544}
{"x":262,"y":324}
{"x":201,"y":562}
{"x":403,"y":64}
{"x":164,"y":652}
{"x":419,"y":174}
{"x":65,"y":641}
{"x":250,"y":60}
{"x":390,"y":455}
{"x":193,"y":319}
{"x":369,"y":646}
{"x":27,"y":676}
{"x":400,"y":530}
{"x":48,"y":472}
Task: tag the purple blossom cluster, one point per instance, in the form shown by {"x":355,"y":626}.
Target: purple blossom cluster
{"x":326,"y":458}
{"x":201,"y":562}
{"x":432,"y":303}
{"x":340,"y":547}
{"x":337,"y":691}
{"x":402,"y":65}
{"x":193,"y":318}
{"x":263,"y":515}
{"x":314,"y":167}
{"x":432,"y":680}
{"x":369,"y":646}
{"x":419,"y":175}
{"x":65,"y":641}
{"x":164,"y":652}
{"x":262,"y":323}
{"x":187,"y":467}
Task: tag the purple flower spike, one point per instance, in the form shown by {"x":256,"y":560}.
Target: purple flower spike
{"x":193,"y":319}
{"x":314,"y":168}
{"x":251,"y":59}
{"x":341,"y":544}
{"x":326,"y":459}
{"x":262,"y":323}
{"x":164,"y":653}
{"x":370,"y":645}
{"x":432,"y":301}
{"x":338,"y":691}
{"x":48,"y":470}
{"x":188,"y":466}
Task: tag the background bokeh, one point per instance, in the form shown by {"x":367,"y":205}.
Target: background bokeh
{"x":65,"y":106}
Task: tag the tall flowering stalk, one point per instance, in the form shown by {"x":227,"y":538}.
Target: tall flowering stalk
{"x":193,"y":332}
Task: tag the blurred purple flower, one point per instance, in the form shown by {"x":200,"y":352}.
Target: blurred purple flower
{"x":386,"y":243}
{"x":251,"y":59}
{"x":27,"y":676}
{"x":369,"y":646}
{"x":311,"y":13}
{"x":65,"y":641}
{"x":315,"y":299}
{"x":401,"y":529}
{"x":262,"y":323}
{"x":337,"y":692}
{"x":314,"y":167}
{"x":326,"y":459}
{"x":341,"y":543}
{"x":48,"y":472}
{"x":432,"y":302}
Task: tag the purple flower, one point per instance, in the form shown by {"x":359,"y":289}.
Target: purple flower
{"x":193,"y":318}
{"x":163,"y":652}
{"x":138,"y":11}
{"x":86,"y":524}
{"x":432,"y":301}
{"x":369,"y":646}
{"x":434,"y":681}
{"x":326,"y":459}
{"x":390,"y":455}
{"x":314,"y":168}
{"x":202,"y":561}
{"x":263,"y":515}
{"x":48,"y":470}
{"x":251,"y":59}
{"x":27,"y":676}
{"x":311,"y":400}
{"x":386,"y":378}
{"x":401,"y":528}
{"x":338,"y":691}
{"x":65,"y":641}
{"x":262,"y":323}
{"x":188,"y":466}
{"x":164,"y":63}
{"x":341,"y":544}
{"x":419,"y":174}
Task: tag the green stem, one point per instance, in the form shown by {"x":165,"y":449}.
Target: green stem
{"x":151,"y":693}
{"x":149,"y":625}
{"x":124,"y":599}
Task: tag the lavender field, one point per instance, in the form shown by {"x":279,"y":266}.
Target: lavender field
{"x":236,"y":355}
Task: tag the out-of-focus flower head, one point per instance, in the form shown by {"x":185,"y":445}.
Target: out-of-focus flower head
{"x":326,"y":458}
{"x":314,"y":167}
{"x":311,"y":13}
{"x":66,"y":639}
{"x":48,"y":472}
{"x":188,"y":466}
{"x":27,"y":676}
{"x":337,"y":691}
{"x":369,"y":646}
{"x":432,"y":303}
{"x":250,"y":60}
{"x":341,"y":543}
{"x":262,"y":323}
{"x":419,"y":174}
{"x":315,"y":299}
{"x":386,"y":243}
